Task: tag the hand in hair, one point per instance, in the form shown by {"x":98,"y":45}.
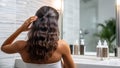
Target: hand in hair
{"x":26,"y":24}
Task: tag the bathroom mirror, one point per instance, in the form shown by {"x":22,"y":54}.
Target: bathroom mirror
{"x":84,"y":15}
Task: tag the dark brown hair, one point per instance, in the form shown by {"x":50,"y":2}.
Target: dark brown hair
{"x":44,"y":34}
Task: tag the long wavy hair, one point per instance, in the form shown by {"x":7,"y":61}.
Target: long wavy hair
{"x":44,"y":34}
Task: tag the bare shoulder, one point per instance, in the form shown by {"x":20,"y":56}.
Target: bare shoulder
{"x":66,"y":54}
{"x":63,"y":43}
{"x":64,"y":46}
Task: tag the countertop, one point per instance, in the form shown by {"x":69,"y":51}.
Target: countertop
{"x":93,"y":60}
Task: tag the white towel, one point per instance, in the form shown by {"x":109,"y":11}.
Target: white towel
{"x":51,"y":65}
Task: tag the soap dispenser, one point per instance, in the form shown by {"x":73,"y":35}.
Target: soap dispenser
{"x":82,"y":47}
{"x":105,"y":50}
{"x":76,"y":46}
{"x":99,"y":49}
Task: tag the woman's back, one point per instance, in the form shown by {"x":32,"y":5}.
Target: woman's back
{"x":56,"y":55}
{"x":60,"y":57}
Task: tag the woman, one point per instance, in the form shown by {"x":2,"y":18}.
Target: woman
{"x":43,"y":49}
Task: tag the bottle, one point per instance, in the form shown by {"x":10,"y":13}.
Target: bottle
{"x":105,"y":50}
{"x":71,"y":48}
{"x":82,"y":47}
{"x":99,"y":49}
{"x":76,"y":48}
{"x":115,"y":51}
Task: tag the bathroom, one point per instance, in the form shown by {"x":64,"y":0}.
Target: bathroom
{"x":76,"y":16}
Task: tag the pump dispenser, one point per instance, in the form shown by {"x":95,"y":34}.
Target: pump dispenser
{"x":76,"y":47}
{"x":82,"y":47}
{"x":105,"y":50}
{"x":99,"y":49}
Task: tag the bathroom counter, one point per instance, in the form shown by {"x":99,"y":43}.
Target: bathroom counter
{"x":96,"y":62}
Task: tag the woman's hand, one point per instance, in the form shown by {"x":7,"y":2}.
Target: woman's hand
{"x":26,"y":24}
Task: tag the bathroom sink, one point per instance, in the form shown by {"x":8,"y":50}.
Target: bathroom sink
{"x":85,"y":59}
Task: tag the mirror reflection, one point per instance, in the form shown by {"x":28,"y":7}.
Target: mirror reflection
{"x":88,"y":20}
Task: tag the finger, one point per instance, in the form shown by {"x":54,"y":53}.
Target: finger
{"x":33,"y":18}
{"x":27,"y":29}
{"x":30,"y":20}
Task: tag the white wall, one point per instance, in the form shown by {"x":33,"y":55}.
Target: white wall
{"x":88,"y":20}
{"x":106,"y":10}
{"x":71,"y":20}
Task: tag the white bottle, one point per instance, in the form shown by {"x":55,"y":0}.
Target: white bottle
{"x":99,"y":49}
{"x":76,"y":46}
{"x":105,"y":50}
